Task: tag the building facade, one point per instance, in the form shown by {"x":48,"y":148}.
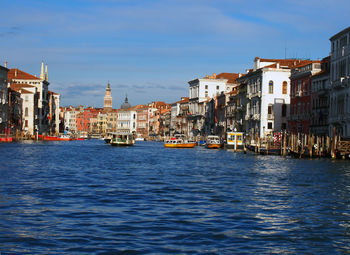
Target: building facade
{"x":17,"y":76}
{"x":320,"y":99}
{"x":301,"y":92}
{"x":339,"y":104}
{"x":3,"y":99}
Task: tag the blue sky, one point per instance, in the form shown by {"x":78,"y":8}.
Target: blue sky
{"x":150,"y":49}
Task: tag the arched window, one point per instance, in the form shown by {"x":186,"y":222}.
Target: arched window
{"x":284,"y":88}
{"x":270,"y":87}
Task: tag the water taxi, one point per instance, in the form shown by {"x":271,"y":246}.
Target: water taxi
{"x":179,"y":141}
{"x":213,"y":142}
{"x":122,"y":139}
{"x":235,"y":140}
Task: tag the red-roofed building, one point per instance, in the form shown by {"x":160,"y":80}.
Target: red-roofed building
{"x":16,"y":76}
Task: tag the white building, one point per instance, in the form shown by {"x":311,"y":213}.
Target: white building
{"x":201,"y":90}
{"x":268,"y":100}
{"x":339,"y":105}
{"x":70,"y":118}
{"x":127,"y":121}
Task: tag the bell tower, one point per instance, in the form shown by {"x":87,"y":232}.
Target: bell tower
{"x":107,"y":105}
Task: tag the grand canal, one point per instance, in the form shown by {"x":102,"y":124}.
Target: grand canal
{"x":86,"y":197}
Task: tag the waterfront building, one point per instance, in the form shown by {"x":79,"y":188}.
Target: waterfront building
{"x":155,"y":110}
{"x":83,"y":120}
{"x":26,"y":105}
{"x":179,"y":117}
{"x":54,"y":106}
{"x":3,"y":99}
{"x":300,"y":94}
{"x":339,"y":104}
{"x":107,"y":104}
{"x":164,"y":123}
{"x":70,"y":118}
{"x":142,"y":121}
{"x":236,"y":107}
{"x":126,"y":118}
{"x":153,"y":122}
{"x":267,"y":95}
{"x":15,"y":112}
{"x":200,"y":90}
{"x":112,"y":120}
{"x":220,"y":118}
{"x":320,"y":99}
{"x":20,"y":77}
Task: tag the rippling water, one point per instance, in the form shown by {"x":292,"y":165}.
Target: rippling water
{"x":86,"y":197}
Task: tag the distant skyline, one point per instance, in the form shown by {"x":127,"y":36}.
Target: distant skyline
{"x":150,"y":49}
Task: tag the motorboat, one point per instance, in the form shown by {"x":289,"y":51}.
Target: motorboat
{"x":179,"y":141}
{"x":54,"y":138}
{"x":108,"y":138}
{"x":213,"y":142}
{"x":122,"y":139}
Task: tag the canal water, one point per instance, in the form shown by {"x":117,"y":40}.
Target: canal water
{"x":86,"y":197}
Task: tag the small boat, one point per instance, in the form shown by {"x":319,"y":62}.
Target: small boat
{"x":179,"y":141}
{"x":53,"y":138}
{"x":122,"y":139}
{"x":140,"y":138}
{"x":56,"y":138}
{"x":108,"y":138}
{"x":213,"y":142}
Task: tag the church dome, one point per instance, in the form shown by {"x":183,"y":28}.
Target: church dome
{"x":126,"y":104}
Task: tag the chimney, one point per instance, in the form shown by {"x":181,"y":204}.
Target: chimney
{"x":15,"y":72}
{"x":5,"y":63}
{"x":42,"y":71}
{"x":214,"y":75}
{"x":278,"y":65}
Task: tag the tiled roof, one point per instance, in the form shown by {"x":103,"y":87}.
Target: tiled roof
{"x":184,"y":100}
{"x":231,"y":77}
{"x":283,"y":62}
{"x":306,"y":62}
{"x":15,"y":73}
{"x":17,"y":86}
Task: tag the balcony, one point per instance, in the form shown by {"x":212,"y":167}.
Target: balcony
{"x":256,"y":94}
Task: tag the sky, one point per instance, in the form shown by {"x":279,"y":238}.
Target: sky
{"x":150,"y":49}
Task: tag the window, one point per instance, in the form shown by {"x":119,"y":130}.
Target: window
{"x":284,"y":110}
{"x":206,"y":93}
{"x":217,"y":87}
{"x":269,"y":109}
{"x":284,"y":88}
{"x":26,"y":123}
{"x":26,"y":112}
{"x":269,"y":125}
{"x":206,"y":86}
{"x":270,"y":87}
